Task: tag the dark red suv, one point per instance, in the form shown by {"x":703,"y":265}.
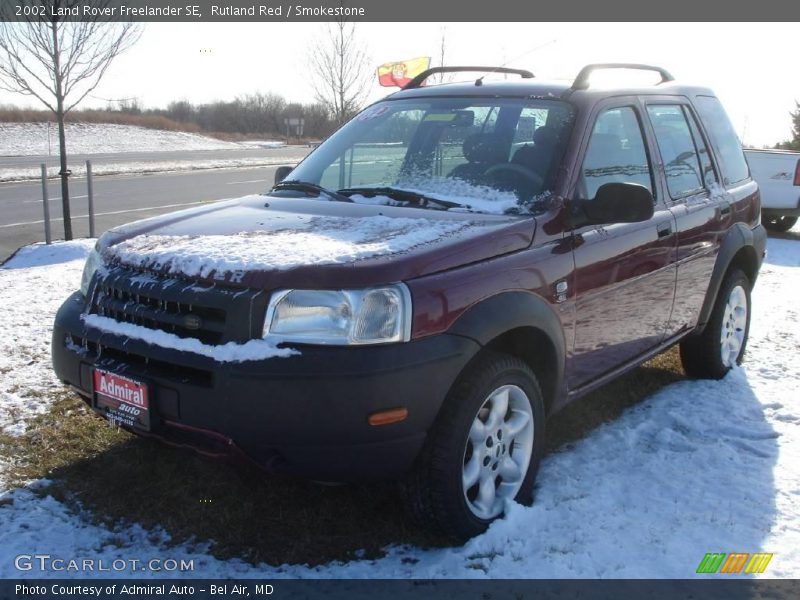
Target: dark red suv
{"x":415,"y":298}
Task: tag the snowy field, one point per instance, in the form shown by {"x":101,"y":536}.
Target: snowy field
{"x":698,"y":467}
{"x":31,"y":139}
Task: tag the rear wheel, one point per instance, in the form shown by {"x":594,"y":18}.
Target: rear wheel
{"x":714,"y":352}
{"x":779,"y":224}
{"x":483,"y":451}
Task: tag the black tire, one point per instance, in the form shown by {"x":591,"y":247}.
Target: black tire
{"x":779,"y":224}
{"x":701,"y":355}
{"x":434,"y":491}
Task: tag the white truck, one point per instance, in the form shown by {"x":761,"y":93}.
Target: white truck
{"x":777,"y":173}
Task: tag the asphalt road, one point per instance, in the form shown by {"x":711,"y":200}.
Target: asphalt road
{"x":123,"y":198}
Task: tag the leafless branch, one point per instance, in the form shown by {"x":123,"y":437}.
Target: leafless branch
{"x":340,"y":70}
{"x":59,"y":61}
{"x":28,"y":54}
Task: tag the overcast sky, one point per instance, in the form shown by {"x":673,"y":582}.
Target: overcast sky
{"x":752,"y":67}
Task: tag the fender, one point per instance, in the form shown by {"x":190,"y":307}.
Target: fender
{"x":738,"y":237}
{"x":503,"y":312}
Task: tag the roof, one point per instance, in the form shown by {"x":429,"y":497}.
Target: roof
{"x":540,"y":88}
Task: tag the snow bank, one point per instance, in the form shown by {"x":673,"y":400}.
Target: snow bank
{"x":263,"y":143}
{"x":701,"y":466}
{"x":320,"y":240}
{"x":144,"y":167}
{"x":31,"y":139}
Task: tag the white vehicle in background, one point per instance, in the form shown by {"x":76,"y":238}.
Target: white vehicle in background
{"x":777,"y":173}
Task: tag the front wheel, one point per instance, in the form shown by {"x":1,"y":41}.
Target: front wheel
{"x":779,"y":223}
{"x":714,"y":352}
{"x":483,"y":451}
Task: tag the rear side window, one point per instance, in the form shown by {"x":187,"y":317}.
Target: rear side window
{"x":675,"y":143}
{"x":615,"y":154}
{"x":723,"y":139}
{"x":709,"y":174}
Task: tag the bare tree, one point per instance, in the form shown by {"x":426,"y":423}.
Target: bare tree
{"x":59,"y":61}
{"x":340,"y":70}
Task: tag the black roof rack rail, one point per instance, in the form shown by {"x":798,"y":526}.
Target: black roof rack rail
{"x":420,"y":79}
{"x":582,"y":80}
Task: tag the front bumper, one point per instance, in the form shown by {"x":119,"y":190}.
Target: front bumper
{"x":304,"y":415}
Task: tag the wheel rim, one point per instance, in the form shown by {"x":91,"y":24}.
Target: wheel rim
{"x":498,"y":451}
{"x":734,"y":323}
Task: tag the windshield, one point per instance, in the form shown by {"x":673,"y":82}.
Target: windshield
{"x":482,"y":154}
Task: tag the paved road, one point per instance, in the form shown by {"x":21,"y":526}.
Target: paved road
{"x":118,"y":199}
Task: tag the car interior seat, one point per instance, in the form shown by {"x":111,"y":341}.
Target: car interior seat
{"x":482,"y":150}
{"x":539,"y":156}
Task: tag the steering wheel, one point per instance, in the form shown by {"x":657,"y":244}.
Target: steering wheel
{"x":516,"y":169}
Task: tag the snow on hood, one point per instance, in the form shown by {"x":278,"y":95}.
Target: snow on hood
{"x":319,"y":240}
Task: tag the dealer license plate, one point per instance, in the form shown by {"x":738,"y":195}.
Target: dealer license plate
{"x":122,"y":400}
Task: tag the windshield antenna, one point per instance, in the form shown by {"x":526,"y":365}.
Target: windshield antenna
{"x":479,"y":80}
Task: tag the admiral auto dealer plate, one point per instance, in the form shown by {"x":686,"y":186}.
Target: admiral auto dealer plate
{"x":122,"y":400}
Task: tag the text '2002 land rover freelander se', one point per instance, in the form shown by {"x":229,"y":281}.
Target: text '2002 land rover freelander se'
{"x":416,"y":297}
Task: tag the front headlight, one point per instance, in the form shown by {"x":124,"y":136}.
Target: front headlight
{"x":340,"y":317}
{"x":93,"y":262}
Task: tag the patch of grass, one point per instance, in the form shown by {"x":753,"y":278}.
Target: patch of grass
{"x":66,"y":434}
{"x":248,"y":514}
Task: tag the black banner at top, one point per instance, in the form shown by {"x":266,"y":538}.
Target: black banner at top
{"x":398,"y":10}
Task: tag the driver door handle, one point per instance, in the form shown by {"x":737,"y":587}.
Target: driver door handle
{"x":664,"y":230}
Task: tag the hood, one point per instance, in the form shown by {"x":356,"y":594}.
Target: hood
{"x":268,"y":242}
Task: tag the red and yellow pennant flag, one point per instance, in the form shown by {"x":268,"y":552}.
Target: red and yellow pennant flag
{"x":401,"y":72}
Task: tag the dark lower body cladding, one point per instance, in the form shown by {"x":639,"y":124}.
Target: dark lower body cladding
{"x":304,"y":415}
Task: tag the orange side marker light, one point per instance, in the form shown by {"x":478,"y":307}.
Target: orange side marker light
{"x":387,"y":417}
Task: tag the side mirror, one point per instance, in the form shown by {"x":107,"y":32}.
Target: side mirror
{"x":614,"y":203}
{"x":281,"y":173}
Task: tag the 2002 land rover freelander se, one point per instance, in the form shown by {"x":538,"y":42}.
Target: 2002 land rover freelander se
{"x":416,"y":297}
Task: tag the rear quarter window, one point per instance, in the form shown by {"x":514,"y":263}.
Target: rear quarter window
{"x":724,"y":140}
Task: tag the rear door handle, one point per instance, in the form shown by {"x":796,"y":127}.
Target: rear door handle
{"x":664,"y":230}
{"x":724,"y":209}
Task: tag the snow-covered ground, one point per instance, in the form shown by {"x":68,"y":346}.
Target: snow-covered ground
{"x":698,"y":467}
{"x":145,"y":167}
{"x":35,"y":139}
{"x":31,"y":139}
{"x":262,"y":144}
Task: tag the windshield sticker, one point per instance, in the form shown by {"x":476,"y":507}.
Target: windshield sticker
{"x":445,"y":117}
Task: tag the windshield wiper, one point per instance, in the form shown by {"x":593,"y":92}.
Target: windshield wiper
{"x":310,"y":188}
{"x":401,"y":195}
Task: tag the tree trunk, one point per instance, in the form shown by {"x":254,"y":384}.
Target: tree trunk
{"x":62,"y":147}
{"x":62,"y":137}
